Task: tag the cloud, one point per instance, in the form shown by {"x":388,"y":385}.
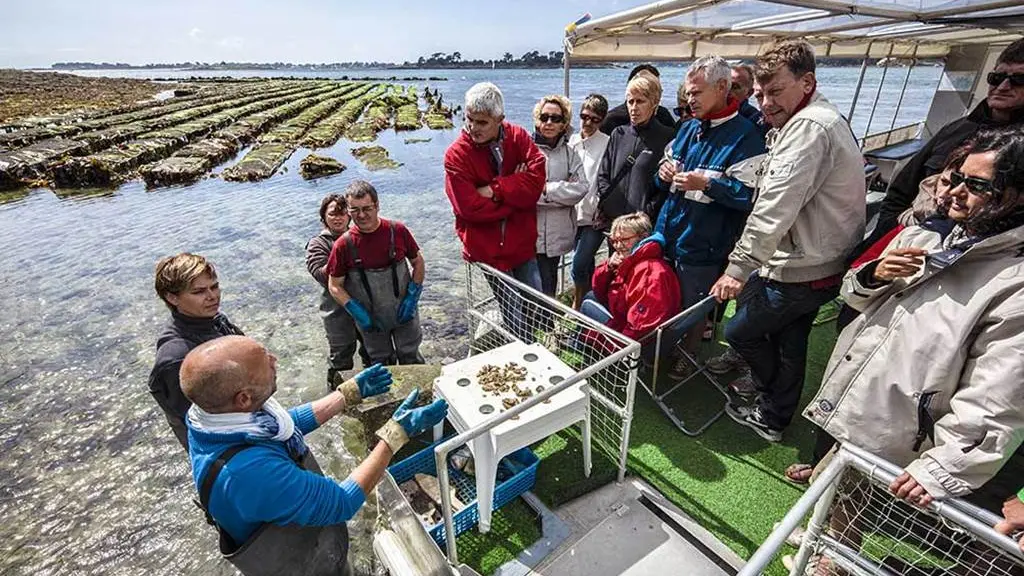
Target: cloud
{"x":70,"y":50}
{"x":195,"y":32}
{"x":232,"y":42}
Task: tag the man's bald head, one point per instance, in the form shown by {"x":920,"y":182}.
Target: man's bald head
{"x":229,"y":374}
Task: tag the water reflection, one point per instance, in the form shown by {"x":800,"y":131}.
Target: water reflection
{"x":92,"y":481}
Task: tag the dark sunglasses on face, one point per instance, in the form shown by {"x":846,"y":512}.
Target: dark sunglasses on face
{"x":683,"y":111}
{"x":976,"y":186}
{"x":553,"y":118}
{"x":997,"y":78}
{"x":589,"y":118}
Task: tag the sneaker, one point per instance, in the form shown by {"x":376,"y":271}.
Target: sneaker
{"x":727,"y":362}
{"x":680,"y":370}
{"x":744,"y":387}
{"x":751,"y":418}
{"x":796,"y":537}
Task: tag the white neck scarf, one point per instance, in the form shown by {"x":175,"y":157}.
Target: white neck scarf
{"x":270,"y":422}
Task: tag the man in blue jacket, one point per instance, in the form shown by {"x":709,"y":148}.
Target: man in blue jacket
{"x":709,"y":171}
{"x":275,"y":511}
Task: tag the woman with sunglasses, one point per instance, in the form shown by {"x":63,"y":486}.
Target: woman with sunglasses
{"x":566,"y":185}
{"x":934,"y":360}
{"x":590,"y":143}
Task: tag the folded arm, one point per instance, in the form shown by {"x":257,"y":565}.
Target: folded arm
{"x":466,"y":202}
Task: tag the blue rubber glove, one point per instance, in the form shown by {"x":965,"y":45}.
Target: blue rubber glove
{"x":415,"y":421}
{"x":373,"y":380}
{"x":359,"y":313}
{"x":407,"y":309}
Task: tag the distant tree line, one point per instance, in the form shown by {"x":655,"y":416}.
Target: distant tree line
{"x":532,"y":59}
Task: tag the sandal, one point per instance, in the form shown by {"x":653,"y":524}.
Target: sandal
{"x":799,"y":473}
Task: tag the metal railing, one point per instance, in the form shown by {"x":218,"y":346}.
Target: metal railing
{"x":858,"y":527}
{"x":501,"y":310}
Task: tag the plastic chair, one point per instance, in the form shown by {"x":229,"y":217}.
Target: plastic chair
{"x":665,"y":335}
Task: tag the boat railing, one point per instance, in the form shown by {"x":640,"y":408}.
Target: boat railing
{"x":858,"y":527}
{"x":501,"y":310}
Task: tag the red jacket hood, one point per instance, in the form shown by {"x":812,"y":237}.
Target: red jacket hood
{"x":650,"y":248}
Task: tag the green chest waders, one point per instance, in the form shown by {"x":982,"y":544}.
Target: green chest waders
{"x":381,"y":290}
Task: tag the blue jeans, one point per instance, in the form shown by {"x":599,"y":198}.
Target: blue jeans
{"x":593,"y":309}
{"x":548,"y":267}
{"x":512,"y":303}
{"x":770,"y":329}
{"x":588,"y":242}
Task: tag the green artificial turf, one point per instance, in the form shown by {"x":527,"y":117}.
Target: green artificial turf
{"x":514,"y":527}
{"x":728,"y":479}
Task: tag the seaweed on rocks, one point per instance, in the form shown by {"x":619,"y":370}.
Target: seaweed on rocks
{"x":314,"y":166}
{"x":374,"y":158}
{"x":436,"y":121}
{"x":326,"y":132}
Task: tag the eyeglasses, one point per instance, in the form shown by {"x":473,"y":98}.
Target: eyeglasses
{"x":353,"y":210}
{"x":997,"y":78}
{"x":683,"y":111}
{"x":976,"y":186}
{"x":590,"y":118}
{"x":621,"y":239}
{"x":553,"y":118}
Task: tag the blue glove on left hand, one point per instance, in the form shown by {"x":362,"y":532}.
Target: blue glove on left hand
{"x":374,"y":380}
{"x":407,"y":309}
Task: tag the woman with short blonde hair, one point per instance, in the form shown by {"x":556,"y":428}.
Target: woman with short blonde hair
{"x":566,"y":185}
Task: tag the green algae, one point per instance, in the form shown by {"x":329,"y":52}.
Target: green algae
{"x":375,"y":158}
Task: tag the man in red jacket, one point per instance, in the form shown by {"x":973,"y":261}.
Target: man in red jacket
{"x":494,"y":175}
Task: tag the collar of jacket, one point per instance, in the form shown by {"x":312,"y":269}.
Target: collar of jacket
{"x":649,"y":248}
{"x":540,"y":140}
{"x":982,"y":114}
{"x":194,"y":323}
{"x":1008,"y":243}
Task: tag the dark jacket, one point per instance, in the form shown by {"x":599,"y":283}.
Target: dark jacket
{"x":180,"y":336}
{"x":755,"y":116}
{"x":635,"y":190}
{"x":701,"y":227}
{"x":619,"y":116}
{"x":501,"y":231}
{"x":318,"y":251}
{"x":929,"y":160}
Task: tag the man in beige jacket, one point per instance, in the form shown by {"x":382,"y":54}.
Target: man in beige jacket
{"x":809,"y":212}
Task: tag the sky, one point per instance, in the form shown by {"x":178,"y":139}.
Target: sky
{"x":37,"y":33}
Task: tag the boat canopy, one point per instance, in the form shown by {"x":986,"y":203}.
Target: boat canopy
{"x":687,"y":29}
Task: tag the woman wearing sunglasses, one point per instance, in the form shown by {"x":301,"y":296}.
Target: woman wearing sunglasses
{"x":590,"y":143}
{"x":566,"y":185}
{"x":935,"y":361}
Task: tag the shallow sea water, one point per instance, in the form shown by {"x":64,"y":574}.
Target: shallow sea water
{"x":91,"y":480}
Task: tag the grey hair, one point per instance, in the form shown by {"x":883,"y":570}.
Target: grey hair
{"x":714,"y":69}
{"x":485,"y":97}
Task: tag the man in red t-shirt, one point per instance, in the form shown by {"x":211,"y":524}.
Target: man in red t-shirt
{"x":369,"y":275}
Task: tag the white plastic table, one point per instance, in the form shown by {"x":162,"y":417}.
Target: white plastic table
{"x":469,"y":405}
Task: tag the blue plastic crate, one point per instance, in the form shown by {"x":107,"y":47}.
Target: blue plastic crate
{"x":517,"y":474}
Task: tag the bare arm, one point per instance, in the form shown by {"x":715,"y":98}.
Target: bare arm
{"x":328,"y":407}
{"x":419,"y":268}
{"x":336,"y":285}
{"x":370,"y":471}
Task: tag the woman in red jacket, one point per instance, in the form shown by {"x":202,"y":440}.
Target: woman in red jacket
{"x":635,"y":290}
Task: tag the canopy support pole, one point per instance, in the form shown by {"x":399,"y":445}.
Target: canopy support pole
{"x":565,"y":72}
{"x":856,"y":92}
{"x":878,"y":93}
{"x":903,"y":91}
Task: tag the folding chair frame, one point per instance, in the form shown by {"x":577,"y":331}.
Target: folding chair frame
{"x":687,"y":319}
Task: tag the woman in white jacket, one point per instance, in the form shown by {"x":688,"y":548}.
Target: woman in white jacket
{"x":931,"y":376}
{"x":590,"y":144}
{"x":567,"y":184}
